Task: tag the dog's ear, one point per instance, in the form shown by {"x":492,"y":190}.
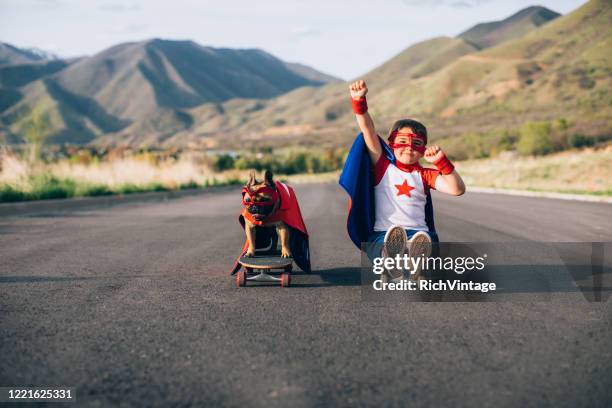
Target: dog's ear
{"x":252,"y":179}
{"x":268,"y":178}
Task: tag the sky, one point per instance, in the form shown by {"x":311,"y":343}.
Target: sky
{"x":344,"y":38}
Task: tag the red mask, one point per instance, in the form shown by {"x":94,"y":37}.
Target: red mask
{"x":415,"y":141}
{"x":247,"y":196}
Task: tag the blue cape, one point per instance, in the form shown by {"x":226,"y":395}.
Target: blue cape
{"x":358,"y":181}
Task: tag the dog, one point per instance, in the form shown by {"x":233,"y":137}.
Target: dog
{"x":262,"y":200}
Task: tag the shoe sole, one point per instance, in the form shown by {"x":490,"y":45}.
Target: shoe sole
{"x":395,"y":244}
{"x":419,"y":245}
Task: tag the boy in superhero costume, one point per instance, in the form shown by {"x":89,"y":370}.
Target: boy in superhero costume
{"x":390,"y":200}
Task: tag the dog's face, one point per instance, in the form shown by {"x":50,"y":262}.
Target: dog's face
{"x":260,"y":197}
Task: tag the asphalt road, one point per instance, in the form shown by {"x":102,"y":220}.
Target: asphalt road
{"x":132,"y":305}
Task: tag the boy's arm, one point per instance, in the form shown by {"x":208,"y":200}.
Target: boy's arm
{"x":358,"y":91}
{"x":448,"y":181}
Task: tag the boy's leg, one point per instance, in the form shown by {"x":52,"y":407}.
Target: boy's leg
{"x":375,"y":244}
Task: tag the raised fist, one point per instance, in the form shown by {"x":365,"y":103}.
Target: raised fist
{"x":358,"y":89}
{"x":433,"y":154}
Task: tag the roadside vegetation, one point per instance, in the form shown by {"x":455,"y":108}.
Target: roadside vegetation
{"x":576,"y":171}
{"x":535,"y":138}
{"x":79,"y":172}
{"x":545,"y":155}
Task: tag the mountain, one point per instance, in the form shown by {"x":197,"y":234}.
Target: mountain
{"x":18,"y":75}
{"x":491,"y":77}
{"x":145,"y":81}
{"x":315,"y":109}
{"x":562,"y":69}
{"x":395,"y":88}
{"x":310,"y":73}
{"x":552,"y":66}
{"x":10,"y":55}
{"x":308,"y":109}
{"x":135,"y":79}
{"x":489,"y":34}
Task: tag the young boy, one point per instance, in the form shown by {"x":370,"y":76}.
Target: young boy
{"x":403,"y":216}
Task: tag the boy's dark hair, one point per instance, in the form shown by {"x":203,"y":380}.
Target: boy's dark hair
{"x":417,"y":127}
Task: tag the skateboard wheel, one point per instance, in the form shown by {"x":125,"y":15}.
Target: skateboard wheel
{"x":241,"y":279}
{"x":285,"y":279}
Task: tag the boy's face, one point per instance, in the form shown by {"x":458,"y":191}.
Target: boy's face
{"x":407,"y":154}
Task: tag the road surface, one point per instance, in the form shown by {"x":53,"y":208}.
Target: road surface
{"x":132,"y":305}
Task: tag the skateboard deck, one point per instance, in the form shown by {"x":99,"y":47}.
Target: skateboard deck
{"x":259,"y":269}
{"x":265,"y":262}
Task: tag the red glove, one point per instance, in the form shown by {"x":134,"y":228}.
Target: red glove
{"x":360,"y":106}
{"x":444,"y":165}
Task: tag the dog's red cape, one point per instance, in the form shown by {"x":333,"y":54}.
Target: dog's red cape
{"x":267,"y":238}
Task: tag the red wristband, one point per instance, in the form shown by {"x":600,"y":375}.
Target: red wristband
{"x":360,"y":106}
{"x":444,"y":165}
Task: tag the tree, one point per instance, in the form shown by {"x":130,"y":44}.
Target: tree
{"x":35,"y":127}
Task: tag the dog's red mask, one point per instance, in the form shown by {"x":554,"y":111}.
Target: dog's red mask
{"x":259,"y":209}
{"x":415,"y":141}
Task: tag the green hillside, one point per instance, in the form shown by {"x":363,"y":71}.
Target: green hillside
{"x":487,"y":35}
{"x":150,"y":85}
{"x":307,"y":111}
{"x":560,"y":70}
{"x":491,"y":79}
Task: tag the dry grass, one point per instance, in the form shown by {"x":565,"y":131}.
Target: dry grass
{"x":585,"y":171}
{"x":21,"y":181}
{"x":133,"y":171}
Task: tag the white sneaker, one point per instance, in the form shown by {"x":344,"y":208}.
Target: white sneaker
{"x":395,"y":244}
{"x":419,"y":246}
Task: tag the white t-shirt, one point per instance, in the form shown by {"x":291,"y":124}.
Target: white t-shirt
{"x":401,"y":194}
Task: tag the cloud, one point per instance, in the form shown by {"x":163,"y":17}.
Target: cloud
{"x":304,"y":31}
{"x":129,"y":29}
{"x":120,"y":7}
{"x":461,"y":4}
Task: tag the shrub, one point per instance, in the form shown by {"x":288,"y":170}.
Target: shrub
{"x":296,"y":163}
{"x":189,"y":185}
{"x":535,"y":139}
{"x":507,"y":141}
{"x":45,"y":187}
{"x":137,"y":188}
{"x":330,"y":116}
{"x":475,"y":144}
{"x":89,"y":190}
{"x":313,"y":163}
{"x":224,"y":162}
{"x":10,"y":194}
{"x":579,"y":140}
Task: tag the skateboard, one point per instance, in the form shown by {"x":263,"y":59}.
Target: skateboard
{"x":262,"y":268}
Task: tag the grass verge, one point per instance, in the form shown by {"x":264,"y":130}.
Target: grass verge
{"x":45,"y":187}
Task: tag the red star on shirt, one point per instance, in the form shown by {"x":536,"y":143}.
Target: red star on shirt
{"x":404,"y":188}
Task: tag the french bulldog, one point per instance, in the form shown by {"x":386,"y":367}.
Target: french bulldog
{"x":262,"y":200}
